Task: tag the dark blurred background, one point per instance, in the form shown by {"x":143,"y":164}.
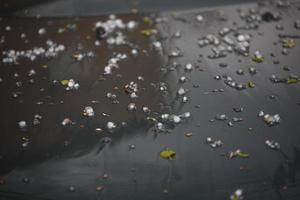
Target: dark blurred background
{"x":95,"y":7}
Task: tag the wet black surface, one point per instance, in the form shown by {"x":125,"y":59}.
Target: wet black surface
{"x":67,"y":8}
{"x":59,"y":157}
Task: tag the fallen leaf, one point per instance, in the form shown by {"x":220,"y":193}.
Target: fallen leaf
{"x":64,"y":82}
{"x":148,"y":32}
{"x":251,"y":84}
{"x":289,"y":43}
{"x":292,"y":80}
{"x":167,"y":154}
{"x":44,"y":66}
{"x":147,"y":20}
{"x":243,"y":155}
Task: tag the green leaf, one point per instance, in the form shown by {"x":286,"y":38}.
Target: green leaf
{"x":251,"y":84}
{"x":243,"y":155}
{"x":292,"y":80}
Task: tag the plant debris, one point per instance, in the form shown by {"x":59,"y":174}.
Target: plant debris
{"x":167,"y":154}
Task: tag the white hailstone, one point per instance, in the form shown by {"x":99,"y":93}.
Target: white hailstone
{"x":76,"y":86}
{"x":187,"y":115}
{"x":18,"y":83}
{"x":66,"y":121}
{"x":200,"y":18}
{"x":177,"y":34}
{"x":132,"y":146}
{"x":41,"y":31}
{"x":224,"y":31}
{"x":175,"y":53}
{"x":209,"y":140}
{"x":159,"y":126}
{"x":111,"y":125}
{"x":272,"y":144}
{"x":97,"y":43}
{"x":131,"y":107}
{"x":72,"y":85}
{"x":252,"y":70}
{"x":221,"y":117}
{"x":133,"y":95}
{"x":182,"y":79}
{"x":165,"y":116}
{"x":185,"y":99}
{"x":12,"y":56}
{"x":217,"y":77}
{"x":25,"y":144}
{"x":15,"y":95}
{"x":37,"y":116}
{"x":140,"y":78}
{"x":238,"y":192}
{"x":131,"y":25}
{"x":157,"y":45}
{"x":22,"y":124}
{"x":230,"y":123}
{"x":246,"y":45}
{"x":90,"y":54}
{"x":213,"y":145}
{"x":8,"y":28}
{"x":271,"y":119}
{"x":120,"y":39}
{"x":99,"y":130}
{"x":122,"y":56}
{"x":188,"y":67}
{"x":229,"y":48}
{"x":163,"y":88}
{"x":79,"y":56}
{"x":31,"y":72}
{"x":218,"y":143}
{"x":88,"y":111}
{"x":176,"y":119}
{"x":109,"y":95}
{"x":23,"y":35}
{"x":181,"y":91}
{"x":145,"y":109}
{"x":258,"y":54}
{"x":276,"y":118}
{"x":107,"y":69}
{"x":60,"y":47}
{"x":111,"y":40}
{"x":241,"y":38}
{"x":98,"y":24}
{"x":134,"y":52}
{"x":32,"y":57}
{"x":71,"y":188}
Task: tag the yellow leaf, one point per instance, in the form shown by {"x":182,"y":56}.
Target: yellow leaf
{"x":292,"y":80}
{"x":148,"y":32}
{"x":258,"y":58}
{"x":167,"y":154}
{"x":44,"y":66}
{"x":251,"y":84}
{"x":64,"y":82}
{"x":289,"y":43}
{"x":147,"y":20}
